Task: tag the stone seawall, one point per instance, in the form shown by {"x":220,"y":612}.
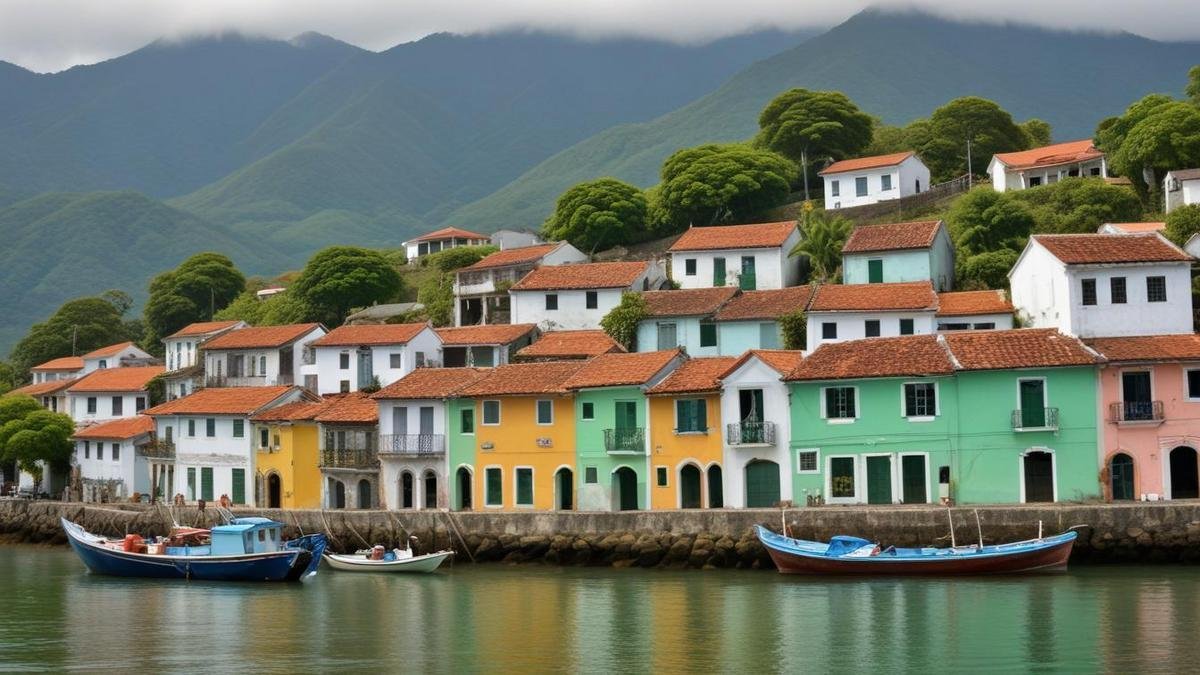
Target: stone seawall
{"x":1139,"y":532}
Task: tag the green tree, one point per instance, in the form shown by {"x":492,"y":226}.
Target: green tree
{"x":887,"y":139}
{"x":988,"y":127}
{"x":986,"y":270}
{"x":1079,"y":205}
{"x":599,"y":214}
{"x":823,"y":125}
{"x":1037,"y":132}
{"x":77,"y":327}
{"x":1193,"y":86}
{"x":194,"y":291}
{"x":622,"y":321}
{"x":1161,"y":136}
{"x":9,"y":378}
{"x":31,"y":434}
{"x":437,"y":294}
{"x":985,"y":220}
{"x":340,"y":278}
{"x":721,"y":184}
{"x":824,"y":235}
{"x":457,"y":258}
{"x":1182,"y":223}
{"x":794,"y":327}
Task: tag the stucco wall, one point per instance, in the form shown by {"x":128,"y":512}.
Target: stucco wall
{"x":672,"y":451}
{"x":852,"y":325}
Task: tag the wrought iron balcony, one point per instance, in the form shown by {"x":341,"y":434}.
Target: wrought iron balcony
{"x":625,"y":441}
{"x":412,"y":444}
{"x":1126,"y":412}
{"x":349,"y":458}
{"x":750,"y":433}
{"x":1035,"y":419}
{"x":158,"y":449}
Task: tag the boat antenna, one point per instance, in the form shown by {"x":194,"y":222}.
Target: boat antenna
{"x":1039,"y":529}
{"x":980,"y":528}
{"x":950,"y":516}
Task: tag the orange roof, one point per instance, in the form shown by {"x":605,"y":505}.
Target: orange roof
{"x":1136,"y":228}
{"x":117,"y":379}
{"x":688,"y":302}
{"x":695,"y":376}
{"x":1148,"y":347}
{"x":622,"y":370}
{"x":370,"y":334}
{"x":716,"y":237}
{"x":496,"y":334}
{"x":570,"y":344}
{"x":221,"y":401}
{"x":892,"y":236}
{"x":430,"y":383}
{"x":771,"y":304}
{"x":512,"y":256}
{"x":202,"y":328}
{"x":1020,"y":348}
{"x":1084,"y":249}
{"x":63,"y":363}
{"x":783,"y":361}
{"x":107,"y":351}
{"x":296,"y":411}
{"x":861,"y":163}
{"x":524,"y":379}
{"x":43,"y":388}
{"x":354,"y":408}
{"x":909,"y":295}
{"x":967,"y":303}
{"x":261,"y":337}
{"x":450,"y":233}
{"x":582,"y":275}
{"x":905,"y":356}
{"x":1050,"y":155}
{"x":119,"y":429}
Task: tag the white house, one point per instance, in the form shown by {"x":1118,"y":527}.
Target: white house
{"x":481,"y":289}
{"x":111,"y":393}
{"x":893,"y":252}
{"x":506,"y":239}
{"x":566,"y":297}
{"x":116,"y":459}
{"x":756,"y":412}
{"x":848,"y":312}
{"x":974,"y":310}
{"x":349,"y":358}
{"x":211,"y":435}
{"x":185,"y":371}
{"x":114,"y":356}
{"x":1103,"y":285}
{"x":484,"y":346}
{"x":441,"y":240}
{"x":1181,"y":187}
{"x":747,"y":256}
{"x":1045,"y":165}
{"x":259,"y":356}
{"x":65,"y":368}
{"x":869,"y":180}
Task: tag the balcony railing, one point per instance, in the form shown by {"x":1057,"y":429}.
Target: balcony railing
{"x":412,"y":444}
{"x":349,"y":458}
{"x":1035,"y":419}
{"x":158,"y":449}
{"x":1123,"y":412}
{"x":750,"y":433}
{"x":247,"y":381}
{"x":625,"y":441}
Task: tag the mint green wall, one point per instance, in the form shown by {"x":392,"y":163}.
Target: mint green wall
{"x":590,"y":451}
{"x":735,"y":337}
{"x":687,"y":335}
{"x":460,"y":446}
{"x":897,"y":266}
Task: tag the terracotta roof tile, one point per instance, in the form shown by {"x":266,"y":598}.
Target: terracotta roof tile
{"x":512,"y":256}
{"x":117,"y":379}
{"x":967,"y":303}
{"x":370,"y":334}
{"x":905,"y":356}
{"x":221,"y":401}
{"x":621,"y":370}
{"x":1083,"y":249}
{"x":582,"y":275}
{"x":688,"y":302}
{"x":570,"y":344}
{"x":771,"y":304}
{"x":203,"y":328}
{"x":892,"y":236}
{"x":496,"y":334}
{"x":695,"y":376}
{"x":860,"y":163}
{"x":297,"y":411}
{"x":63,"y":363}
{"x":430,"y":383}
{"x":107,"y":351}
{"x":783,"y":361}
{"x":120,"y":429}
{"x":261,"y":337}
{"x":1148,"y":347}
{"x":717,"y":237}
{"x":353,"y":408}
{"x":1135,"y":228}
{"x":1050,"y":155}
{"x":911,"y":295}
{"x":525,"y":379}
{"x":450,"y":233}
{"x":1021,"y":348}
{"x":43,"y":388}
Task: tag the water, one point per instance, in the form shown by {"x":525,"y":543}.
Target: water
{"x":56,"y":616}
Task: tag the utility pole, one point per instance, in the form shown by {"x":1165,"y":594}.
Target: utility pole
{"x":804,"y":166}
{"x":74,"y":335}
{"x":969,"y":157}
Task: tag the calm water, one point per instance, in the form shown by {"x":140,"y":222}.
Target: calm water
{"x":56,"y":616}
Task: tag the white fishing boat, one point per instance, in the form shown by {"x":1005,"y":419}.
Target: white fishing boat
{"x":376,"y":559}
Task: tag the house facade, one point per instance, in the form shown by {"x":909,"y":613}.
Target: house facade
{"x":683,"y":318}
{"x":441,"y":240}
{"x":1046,"y":165}
{"x":1180,"y":188}
{"x":259,"y":356}
{"x":757,"y":428}
{"x":869,"y":180}
{"x":484,"y":346}
{"x":111,"y":393}
{"x":899,"y":252}
{"x":65,"y":368}
{"x":578,"y":296}
{"x":753,"y":319}
{"x":288,"y":447}
{"x":481,"y":289}
{"x":749,"y":257}
{"x":852,"y":312}
{"x":974,"y":310}
{"x":348,"y":430}
{"x":120,"y":355}
{"x":116,"y":460}
{"x":182,"y":359}
{"x":350,"y":358}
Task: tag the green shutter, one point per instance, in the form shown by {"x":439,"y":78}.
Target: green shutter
{"x":206,"y":483}
{"x":495,"y":487}
{"x":912,"y":468}
{"x":1033,"y":412}
{"x":762,"y":484}
{"x":700,"y":415}
{"x":875,"y":271}
{"x":239,"y":486}
{"x":525,"y":486}
{"x":879,"y":480}
{"x":708,"y":334}
{"x":718,"y":271}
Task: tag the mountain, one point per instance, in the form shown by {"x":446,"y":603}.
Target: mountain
{"x":898,"y":66}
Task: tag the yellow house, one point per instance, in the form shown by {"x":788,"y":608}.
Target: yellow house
{"x":524,"y":437}
{"x":685,"y":436}
{"x":288,"y":450}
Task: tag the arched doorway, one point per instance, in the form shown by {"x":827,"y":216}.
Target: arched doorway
{"x":625,"y":495}
{"x":274,"y":491}
{"x":464,"y":488}
{"x":406,"y":490}
{"x":564,"y":487}
{"x":430,"y":489}
{"x":1038,"y":471}
{"x":1185,"y":483}
{"x":364,"y":494}
{"x":689,"y":487}
{"x":762,"y":484}
{"x":1120,"y":474}
{"x":337,"y":494}
{"x":716,"y":488}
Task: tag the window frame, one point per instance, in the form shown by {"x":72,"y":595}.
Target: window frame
{"x":835,"y":188}
{"x":1112,"y":290}
{"x":824,"y":333}
{"x":885,"y":182}
{"x":856,"y":498}
{"x":591,"y":299}
{"x":483,"y":416}
{"x":1088,"y":287}
{"x":210,"y":427}
{"x":517,"y":471}
{"x":191,"y":427}
{"x":487,"y":493}
{"x":463,"y":414}
{"x":662,"y":476}
{"x":816,"y":454}
{"x":239,"y":427}
{"x":587,"y":411}
{"x":396,"y":360}
{"x":912,"y":327}
{"x":690,"y":267}
{"x":551,"y":302}
{"x":691,"y":400}
{"x":937,"y":401}
{"x":343,"y":360}
{"x":1187,"y":389}
{"x":862,"y":187}
{"x":868,"y":324}
{"x":1149,"y":292}
{"x":711,"y":328}
{"x":537,"y":412}
{"x":839,"y":420}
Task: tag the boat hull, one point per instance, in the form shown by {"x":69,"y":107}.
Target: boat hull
{"x":421,"y":564}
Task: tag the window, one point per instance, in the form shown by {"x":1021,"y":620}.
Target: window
{"x":906,"y":326}
{"x":839,"y":403}
{"x":139,"y":404}
{"x":191,"y":428}
{"x":661,"y":476}
{"x":103,"y":363}
{"x":524,"y":486}
{"x":986,"y":325}
{"x":239,"y":428}
{"x":768,"y":335}
{"x":1116,"y":290}
{"x":468,"y":420}
{"x":806,"y":461}
{"x":719,"y":276}
{"x":1156,"y":289}
{"x":587,"y":410}
{"x":708,"y":334}
{"x":545,"y":412}
{"x":116,"y":452}
{"x":551,"y":301}
{"x":344,"y":386}
{"x":860,"y":186}
{"x":191,"y":483}
{"x":885,"y":182}
{"x":829,"y":330}
{"x":494,"y":488}
{"x":689,"y":267}
{"x":871,"y":329}
{"x":1193,"y":384}
{"x":667,"y":338}
{"x":396,"y":360}
{"x":264,"y":437}
{"x":954,"y":326}
{"x":1035,"y":181}
{"x":87,"y":449}
{"x":589,"y":475}
{"x":419,"y":359}
{"x":91,"y":405}
{"x":875,"y":271}
{"x":835,"y":188}
{"x":920,"y":399}
{"x":691,"y":416}
{"x":99,"y":450}
{"x":262,"y":365}
{"x":252,"y":362}
{"x":118,"y":406}
{"x":491,"y":413}
{"x":344,"y":361}
{"x":1089,"y":291}
{"x":210,"y":427}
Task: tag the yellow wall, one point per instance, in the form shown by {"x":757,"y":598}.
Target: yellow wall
{"x":296,"y":462}
{"x":515,"y":445}
{"x":671,"y":450}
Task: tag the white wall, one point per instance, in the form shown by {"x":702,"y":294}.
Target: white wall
{"x":1001,"y":321}
{"x":222,"y":453}
{"x":907,"y":177}
{"x":1004,"y":179}
{"x":1038,"y":288}
{"x":853,"y":325}
{"x":1188,"y":193}
{"x":330,"y":374}
{"x":128,"y":468}
{"x":77,"y":406}
{"x":572,"y":312}
{"x":114,"y":360}
{"x":772,"y":267}
{"x":211,"y":357}
{"x":413,"y":415}
{"x":181,"y":352}
{"x":754,"y":374}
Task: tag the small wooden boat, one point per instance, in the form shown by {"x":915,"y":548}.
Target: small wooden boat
{"x":852,"y":555}
{"x":396,"y":560}
{"x":243,"y":549}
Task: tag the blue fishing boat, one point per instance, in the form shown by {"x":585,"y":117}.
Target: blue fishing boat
{"x":243,"y":549}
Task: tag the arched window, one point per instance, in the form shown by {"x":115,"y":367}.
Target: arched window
{"x":1120,"y":474}
{"x":406,"y":490}
{"x":689,"y":487}
{"x":431,"y":488}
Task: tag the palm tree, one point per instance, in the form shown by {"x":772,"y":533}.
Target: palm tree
{"x":823,"y":238}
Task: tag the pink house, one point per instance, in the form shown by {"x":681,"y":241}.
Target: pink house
{"x":1150,"y":397}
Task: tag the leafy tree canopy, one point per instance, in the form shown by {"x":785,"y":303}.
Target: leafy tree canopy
{"x":1193,"y":86}
{"x":30,"y":435}
{"x":824,"y":235}
{"x":824,"y":124}
{"x":1079,"y":205}
{"x":622,"y":321}
{"x":78,"y":327}
{"x":458,"y":258}
{"x":988,"y":126}
{"x":794,"y":327}
{"x":599,"y":214}
{"x":202,"y":285}
{"x":339,"y":278}
{"x":1182,"y":223}
{"x":1037,"y":132}
{"x":986,"y":270}
{"x":721,"y":184}
{"x":1153,"y":137}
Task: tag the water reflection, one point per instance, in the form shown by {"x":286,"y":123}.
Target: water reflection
{"x":53,"y":616}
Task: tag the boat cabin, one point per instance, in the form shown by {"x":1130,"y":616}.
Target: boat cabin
{"x":247,"y":535}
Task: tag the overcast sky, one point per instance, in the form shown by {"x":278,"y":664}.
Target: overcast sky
{"x":50,"y":35}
